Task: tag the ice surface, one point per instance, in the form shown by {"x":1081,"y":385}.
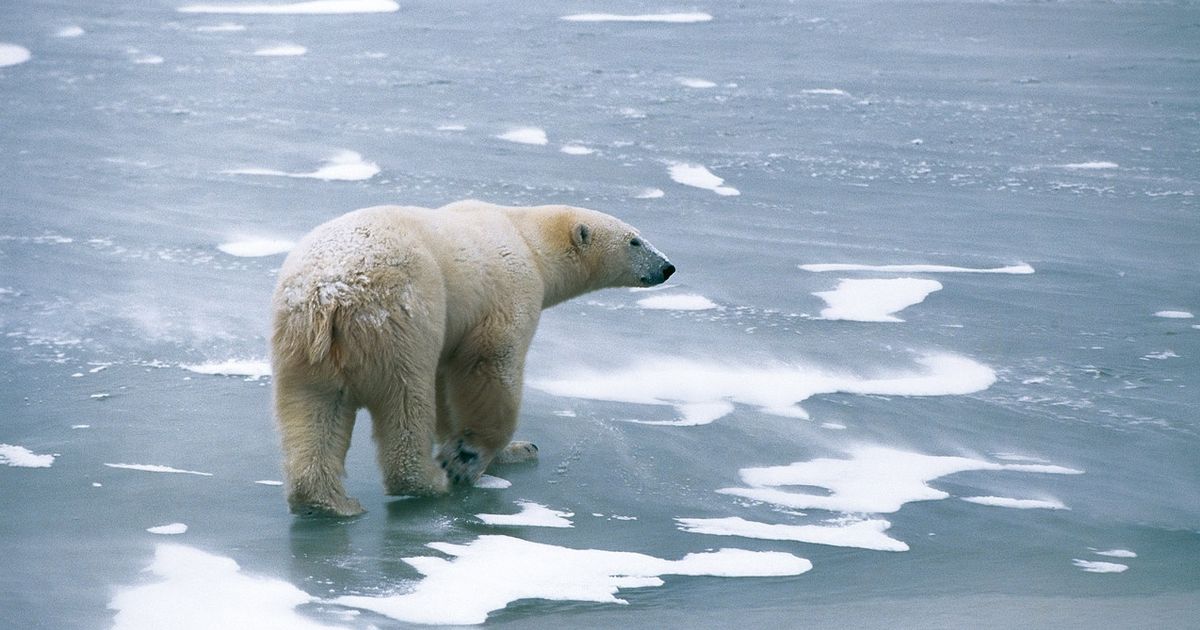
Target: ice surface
{"x":873,"y":480}
{"x":21,"y":457}
{"x":698,"y":176}
{"x":173,"y":529}
{"x":1020,"y":504}
{"x":1020,"y":268}
{"x":670,"y":18}
{"x":695,"y":83}
{"x":1092,"y":566}
{"x":281,"y":50}
{"x":525,"y":135}
{"x":11,"y":54}
{"x":649,"y":193}
{"x":825,"y":92}
{"x":494,"y":571}
{"x":315,"y":7}
{"x":347,"y":166}
{"x":1174,"y":314}
{"x":155,"y":468}
{"x":1117,"y":553}
{"x":256,"y":246}
{"x":197,"y":590}
{"x":250,"y":368}
{"x":148,"y":60}
{"x":531,"y":515}
{"x":269,"y":482}
{"x":776,"y":390}
{"x":875,"y":300}
{"x":861,"y":534}
{"x":678,"y":302}
{"x":69,"y":31}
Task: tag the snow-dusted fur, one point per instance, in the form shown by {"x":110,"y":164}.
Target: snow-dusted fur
{"x":423,"y":316}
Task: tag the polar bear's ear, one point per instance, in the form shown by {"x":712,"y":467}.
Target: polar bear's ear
{"x":581,"y":235}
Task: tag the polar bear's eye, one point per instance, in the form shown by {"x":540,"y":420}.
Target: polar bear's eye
{"x":636,"y":242}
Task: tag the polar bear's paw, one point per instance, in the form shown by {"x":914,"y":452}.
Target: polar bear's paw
{"x":462,"y":461}
{"x":334,"y":506}
{"x":517,"y":453}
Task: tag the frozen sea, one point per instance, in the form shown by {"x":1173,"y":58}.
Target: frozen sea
{"x":930,"y":359}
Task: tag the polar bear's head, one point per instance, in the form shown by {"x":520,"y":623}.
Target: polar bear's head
{"x":613,"y":253}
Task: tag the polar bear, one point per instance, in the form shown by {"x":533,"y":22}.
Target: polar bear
{"x":423,"y":317}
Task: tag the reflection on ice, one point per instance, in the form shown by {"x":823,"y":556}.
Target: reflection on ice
{"x":494,"y":571}
{"x":691,"y":385}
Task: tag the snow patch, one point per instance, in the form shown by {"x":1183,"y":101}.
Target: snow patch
{"x":269,"y":482}
{"x":698,"y":176}
{"x":174,"y":529}
{"x":224,"y":27}
{"x":875,"y":300}
{"x":873,"y":480}
{"x":1019,"y":269}
{"x":69,"y":31}
{"x":1174,"y":314}
{"x":1092,"y":566}
{"x":256,"y":246}
{"x":531,"y":515}
{"x":21,"y":457}
{"x":155,"y":468}
{"x":1090,"y":166}
{"x":252,"y":369}
{"x":492,"y":483}
{"x":677,"y":302}
{"x":577,"y":149}
{"x":777,"y":390}
{"x":861,"y":534}
{"x":698,"y":84}
{"x":666,"y":18}
{"x":1019,"y":504}
{"x":12,"y":54}
{"x":825,"y":92}
{"x":345,"y":166}
{"x":281,"y":50}
{"x":196,"y":589}
{"x":1117,"y":553}
{"x":493,"y":571}
{"x":649,"y":193}
{"x":525,"y":135}
{"x":315,"y":7}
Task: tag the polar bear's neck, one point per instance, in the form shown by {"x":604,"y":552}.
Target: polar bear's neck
{"x":564,"y":274}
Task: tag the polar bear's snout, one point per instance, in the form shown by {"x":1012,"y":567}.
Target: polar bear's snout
{"x":652,"y":266}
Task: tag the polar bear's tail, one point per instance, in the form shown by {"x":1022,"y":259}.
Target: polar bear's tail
{"x":308,"y":333}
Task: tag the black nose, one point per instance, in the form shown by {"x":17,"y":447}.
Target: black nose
{"x":667,"y":271}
